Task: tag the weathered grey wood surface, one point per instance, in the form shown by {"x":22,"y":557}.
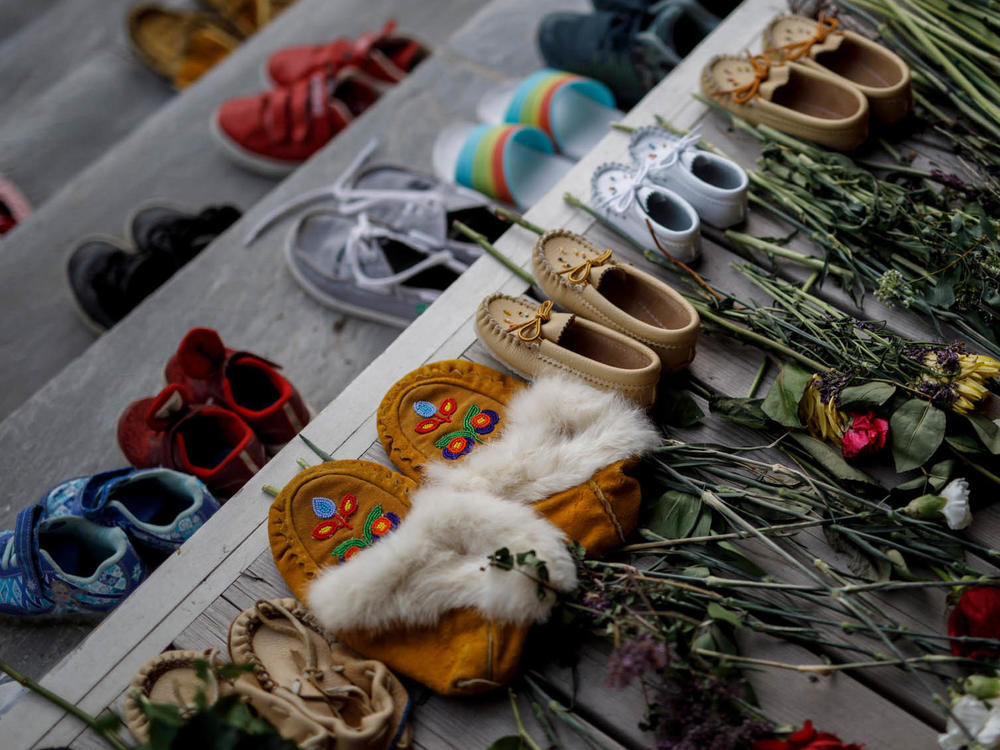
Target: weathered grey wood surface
{"x":169,"y":157}
{"x":189,"y":601}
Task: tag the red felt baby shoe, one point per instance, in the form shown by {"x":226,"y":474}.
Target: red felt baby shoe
{"x":383,"y":55}
{"x":272,"y":133}
{"x":209,"y":442}
{"x":244,"y":383}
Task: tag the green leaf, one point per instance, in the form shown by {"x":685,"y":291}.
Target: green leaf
{"x":741,"y":561}
{"x":677,"y":408}
{"x":510,"y":742}
{"x":782,"y":402}
{"x":987,"y":430}
{"x":867,"y":394}
{"x":744,"y":411}
{"x":830,"y":459}
{"x":916,"y":429}
{"x":108,"y":721}
{"x":718,"y":612}
{"x":674,"y":515}
{"x":703,"y":527}
{"x":965,"y":444}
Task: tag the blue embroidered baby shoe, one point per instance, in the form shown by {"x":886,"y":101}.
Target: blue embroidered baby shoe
{"x":157,"y":508}
{"x":65,"y":566}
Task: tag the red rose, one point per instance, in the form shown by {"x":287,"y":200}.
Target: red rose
{"x":977,"y":615}
{"x":866,"y":434}
{"x":807,"y":738}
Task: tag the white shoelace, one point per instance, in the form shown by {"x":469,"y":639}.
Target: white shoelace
{"x":621,"y":202}
{"x":363,"y":246}
{"x":355,"y":200}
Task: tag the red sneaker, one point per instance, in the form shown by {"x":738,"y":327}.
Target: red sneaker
{"x":274,"y":132}
{"x":385,"y":56}
{"x":248,"y":385}
{"x":209,"y":442}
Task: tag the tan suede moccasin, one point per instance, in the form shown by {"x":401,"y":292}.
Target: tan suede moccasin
{"x":879,"y":73}
{"x":172,"y":678}
{"x":796,"y":99}
{"x":532,"y":340}
{"x":589,"y":282}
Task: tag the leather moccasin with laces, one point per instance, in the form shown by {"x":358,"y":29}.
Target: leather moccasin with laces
{"x":533,"y":340}
{"x":589,"y":282}
{"x":880,"y":74}
{"x":796,"y":99}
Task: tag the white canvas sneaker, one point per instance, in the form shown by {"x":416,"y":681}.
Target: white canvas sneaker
{"x":715,"y":186}
{"x":624,"y":198}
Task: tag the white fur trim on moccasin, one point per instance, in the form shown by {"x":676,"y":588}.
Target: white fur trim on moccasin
{"x":559,"y":432}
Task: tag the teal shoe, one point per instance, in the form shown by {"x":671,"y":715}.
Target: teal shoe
{"x":628,"y":51}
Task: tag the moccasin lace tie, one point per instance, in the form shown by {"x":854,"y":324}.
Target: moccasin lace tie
{"x":824,"y":27}
{"x":532,"y":330}
{"x":581,"y":274}
{"x":761,"y":65}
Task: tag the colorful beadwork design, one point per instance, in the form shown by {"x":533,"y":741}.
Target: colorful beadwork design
{"x":334,"y":517}
{"x":376,"y":526}
{"x":475,"y":423}
{"x":434,"y":416}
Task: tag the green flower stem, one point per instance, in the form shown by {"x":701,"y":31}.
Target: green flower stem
{"x":565,"y":715}
{"x":315,"y":448}
{"x":755,"y":338}
{"x":758,"y":378}
{"x":897,"y":585}
{"x":522,"y":733}
{"x":516,"y":218}
{"x":771,"y":248}
{"x":271,"y":490}
{"x":485,"y":244}
{"x":827,"y":669}
{"x":65,"y":705}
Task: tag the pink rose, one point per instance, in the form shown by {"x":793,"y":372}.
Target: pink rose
{"x":865,"y":434}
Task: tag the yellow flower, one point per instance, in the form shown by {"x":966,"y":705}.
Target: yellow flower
{"x":978,"y":365}
{"x":824,"y":421}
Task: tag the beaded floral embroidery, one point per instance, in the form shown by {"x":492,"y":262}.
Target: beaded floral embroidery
{"x":376,"y":526}
{"x":333,"y":517}
{"x":434,"y":416}
{"x":475,"y":423}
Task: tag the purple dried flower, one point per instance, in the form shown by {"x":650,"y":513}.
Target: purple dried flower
{"x":916,"y":352}
{"x":829,"y":385}
{"x":596,"y":600}
{"x":869,"y":325}
{"x":634,"y":658}
{"x":700,"y":714}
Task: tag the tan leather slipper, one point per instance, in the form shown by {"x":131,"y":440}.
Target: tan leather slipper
{"x":796,"y":99}
{"x":532,"y":340}
{"x":172,"y":678}
{"x":180,"y":45}
{"x":589,"y":282}
{"x":359,"y":702}
{"x":878,"y":72}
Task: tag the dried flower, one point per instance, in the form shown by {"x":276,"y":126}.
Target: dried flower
{"x":821,"y":417}
{"x":865,"y":434}
{"x":634,"y":658}
{"x":892,"y":289}
{"x":963,"y":377}
{"x":693,"y":713}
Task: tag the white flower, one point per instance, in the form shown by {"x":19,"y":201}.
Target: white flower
{"x":956,"y":508}
{"x":978,"y":717}
{"x":972,"y":713}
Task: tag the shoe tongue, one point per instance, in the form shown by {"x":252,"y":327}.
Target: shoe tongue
{"x":168,"y":407}
{"x":201,"y":353}
{"x":777,"y":76}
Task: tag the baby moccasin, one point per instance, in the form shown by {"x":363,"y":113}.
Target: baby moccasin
{"x":879,"y":73}
{"x":796,"y":99}
{"x":589,"y":282}
{"x":532,"y":340}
